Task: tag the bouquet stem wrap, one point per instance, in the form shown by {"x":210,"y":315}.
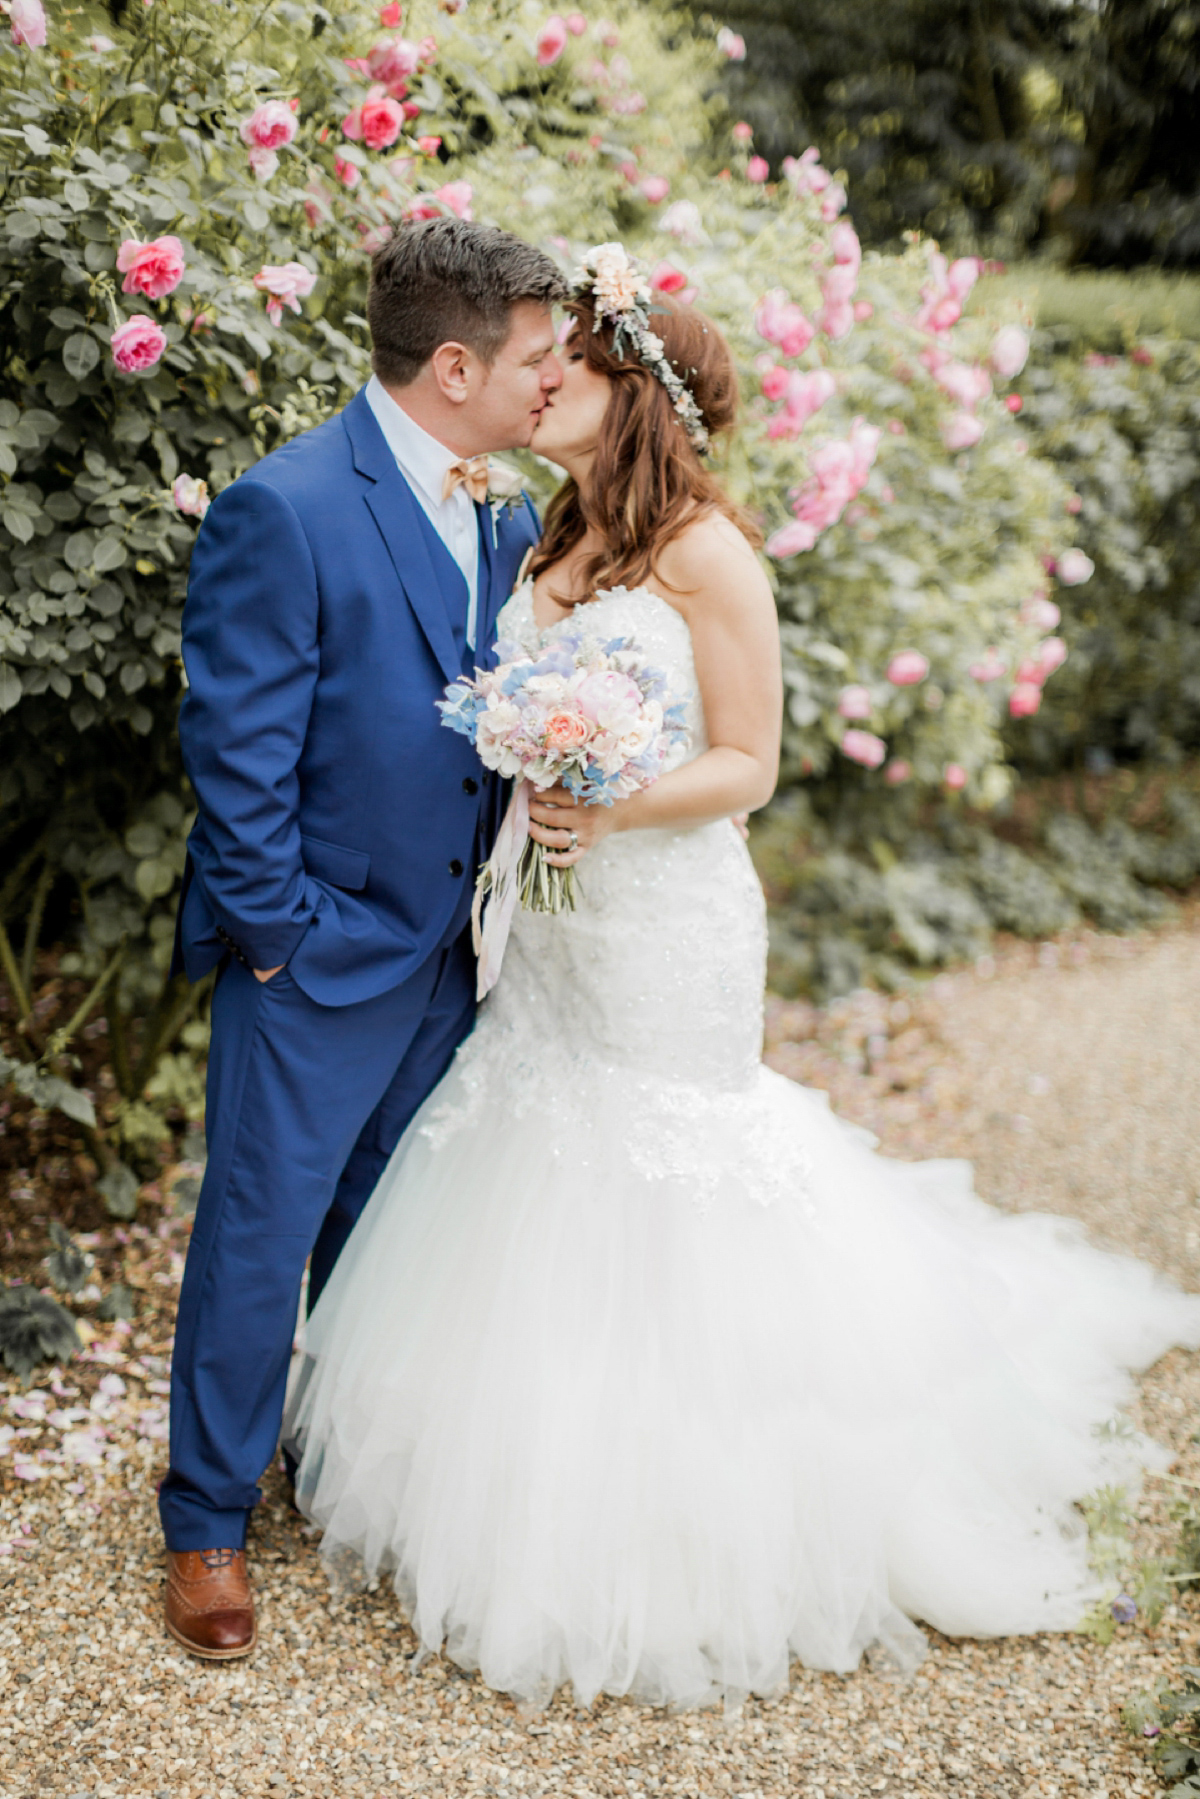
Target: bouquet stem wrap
{"x":517,"y":869}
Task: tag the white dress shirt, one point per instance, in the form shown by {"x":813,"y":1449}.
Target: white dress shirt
{"x":423,"y":462}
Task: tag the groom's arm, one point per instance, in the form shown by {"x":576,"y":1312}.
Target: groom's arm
{"x":250,"y":649}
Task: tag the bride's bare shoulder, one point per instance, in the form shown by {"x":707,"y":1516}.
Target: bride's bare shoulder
{"x":709,"y":557}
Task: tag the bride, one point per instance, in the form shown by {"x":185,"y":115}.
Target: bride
{"x":641,"y":1371}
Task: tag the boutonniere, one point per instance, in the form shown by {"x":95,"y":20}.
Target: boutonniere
{"x":505,"y":491}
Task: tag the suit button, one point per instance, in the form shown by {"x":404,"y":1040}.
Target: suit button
{"x":470,"y":784}
{"x":456,"y":867}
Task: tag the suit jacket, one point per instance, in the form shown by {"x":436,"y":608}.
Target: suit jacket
{"x":339,"y":821}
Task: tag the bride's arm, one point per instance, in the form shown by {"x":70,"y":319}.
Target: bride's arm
{"x":714,"y":578}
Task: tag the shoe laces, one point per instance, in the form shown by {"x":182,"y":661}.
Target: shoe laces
{"x":218,"y":1558}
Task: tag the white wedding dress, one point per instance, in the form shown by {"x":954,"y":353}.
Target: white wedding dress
{"x":642,"y":1372}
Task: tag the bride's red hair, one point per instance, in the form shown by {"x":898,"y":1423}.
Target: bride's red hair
{"x":647,"y":482}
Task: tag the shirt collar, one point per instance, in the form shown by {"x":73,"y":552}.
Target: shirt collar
{"x":422,"y":458}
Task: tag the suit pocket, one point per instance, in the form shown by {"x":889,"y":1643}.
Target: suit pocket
{"x":330,"y":862}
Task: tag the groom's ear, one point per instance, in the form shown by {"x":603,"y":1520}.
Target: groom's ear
{"x":453,"y":366}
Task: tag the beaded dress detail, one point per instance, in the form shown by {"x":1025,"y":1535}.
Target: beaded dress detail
{"x":641,"y":1371}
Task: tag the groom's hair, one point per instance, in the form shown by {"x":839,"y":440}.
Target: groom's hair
{"x":449,"y":280}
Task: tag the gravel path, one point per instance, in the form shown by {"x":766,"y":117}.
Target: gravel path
{"x":1070,"y":1074}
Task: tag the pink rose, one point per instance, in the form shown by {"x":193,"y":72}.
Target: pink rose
{"x":153,"y":269}
{"x":575,"y":23}
{"x":863,"y":310}
{"x":775,"y":381}
{"x":791,"y":540}
{"x":628,"y":105}
{"x":1008,"y":353}
{"x":833,"y":201}
{"x":393,"y":61}
{"x":665,"y":278}
{"x":843,"y":241}
{"x":780,"y":321}
{"x":1040,"y":612}
{"x":390,"y":15}
{"x":348,"y":173}
{"x":955,"y":776}
{"x":836,"y":320}
{"x":897,"y":772}
{"x":731,"y":45}
{"x":946,"y":291}
{"x":757,"y":169}
{"x":743,"y":133}
{"x":565,"y":731}
{"x":429,"y":146}
{"x":804,"y":395}
{"x":961,"y":431}
{"x":428,"y":49}
{"x":422,"y":209}
{"x":378,"y":122}
{"x":138,"y":344}
{"x":269,"y":127}
{"x":1074,"y":567}
{"x":839,"y":282}
{"x":864,"y":747}
{"x":805,"y":172}
{"x":263,"y":162}
{"x":551,"y":40}
{"x":682,"y":221}
{"x":284,"y":286}
{"x":1041,"y":665}
{"x":655,"y":189}
{"x":990,"y":667}
{"x":27,"y":23}
{"x":855,"y":702}
{"x":456,"y":195}
{"x":1024,"y":699}
{"x":190,"y":495}
{"x":907,"y":668}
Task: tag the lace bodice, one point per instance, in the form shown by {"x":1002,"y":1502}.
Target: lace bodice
{"x":655,"y":984}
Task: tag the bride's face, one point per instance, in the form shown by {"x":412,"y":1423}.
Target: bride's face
{"x":569,"y":427}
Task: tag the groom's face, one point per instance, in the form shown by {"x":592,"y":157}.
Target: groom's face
{"x":507,"y":403}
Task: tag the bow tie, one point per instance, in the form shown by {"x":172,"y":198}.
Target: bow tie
{"x":473,"y":475}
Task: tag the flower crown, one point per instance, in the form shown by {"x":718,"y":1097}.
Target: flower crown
{"x":621,"y":295}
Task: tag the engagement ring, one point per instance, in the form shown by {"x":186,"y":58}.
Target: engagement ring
{"x":574,"y":843}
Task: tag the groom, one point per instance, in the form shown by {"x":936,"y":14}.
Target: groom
{"x":336,"y":588}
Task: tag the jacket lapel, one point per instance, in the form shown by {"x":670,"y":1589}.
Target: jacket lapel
{"x":399,"y":518}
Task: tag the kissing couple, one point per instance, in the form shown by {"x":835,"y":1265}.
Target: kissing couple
{"x":627,"y":1362}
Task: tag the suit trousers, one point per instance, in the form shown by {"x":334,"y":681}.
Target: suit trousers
{"x":305,"y":1105}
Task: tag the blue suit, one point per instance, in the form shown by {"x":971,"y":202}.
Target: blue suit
{"x":338,"y":831}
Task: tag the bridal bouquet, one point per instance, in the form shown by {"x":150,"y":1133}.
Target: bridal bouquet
{"x":591,"y":716}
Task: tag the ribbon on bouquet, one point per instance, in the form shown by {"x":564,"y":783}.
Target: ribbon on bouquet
{"x":499,"y":881}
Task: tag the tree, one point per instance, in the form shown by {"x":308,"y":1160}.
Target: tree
{"x":997,"y":125}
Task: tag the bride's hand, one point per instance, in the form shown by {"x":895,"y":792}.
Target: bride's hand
{"x":567,"y":828}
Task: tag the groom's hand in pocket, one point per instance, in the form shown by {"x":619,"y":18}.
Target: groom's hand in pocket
{"x":555,"y":814}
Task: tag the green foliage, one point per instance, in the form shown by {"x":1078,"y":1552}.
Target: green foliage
{"x":33,"y":1328}
{"x":1100,"y":309}
{"x":997,"y":125}
{"x":844,"y":912}
{"x":1170,"y":1718}
{"x":1124,"y":432}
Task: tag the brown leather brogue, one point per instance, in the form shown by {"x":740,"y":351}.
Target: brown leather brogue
{"x":210,"y":1606}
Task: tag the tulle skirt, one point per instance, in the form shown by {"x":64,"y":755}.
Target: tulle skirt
{"x":648,"y":1389}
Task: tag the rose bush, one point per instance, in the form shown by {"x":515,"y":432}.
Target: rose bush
{"x":188,"y":207}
